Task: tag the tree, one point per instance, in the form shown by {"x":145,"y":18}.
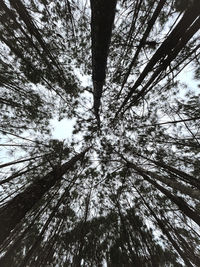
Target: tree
{"x":24,"y":201}
{"x":125,"y":189}
{"x":102,"y":18}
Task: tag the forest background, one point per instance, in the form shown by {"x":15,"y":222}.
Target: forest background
{"x":124,"y":188}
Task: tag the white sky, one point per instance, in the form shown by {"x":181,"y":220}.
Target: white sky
{"x":187,"y":77}
{"x":62,"y":129}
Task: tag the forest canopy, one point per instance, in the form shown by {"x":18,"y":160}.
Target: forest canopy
{"x":124,"y":189}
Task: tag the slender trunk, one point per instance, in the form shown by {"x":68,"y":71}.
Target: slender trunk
{"x":165,"y":48}
{"x":144,"y":237}
{"x":144,"y":38}
{"x":7,"y":259}
{"x":18,"y":161}
{"x":194,"y":194}
{"x":38,"y":239}
{"x":185,"y":177}
{"x":78,"y":257}
{"x":167,"y":233}
{"x":188,"y":249}
{"x":15,"y":210}
{"x":49,"y":250}
{"x":193,"y":145}
{"x":19,"y":173}
{"x":171,"y":56}
{"x":170,"y":122}
{"x":134,"y":257}
{"x":33,"y":30}
{"x":177,"y":200}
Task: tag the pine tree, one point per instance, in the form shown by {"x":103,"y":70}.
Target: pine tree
{"x":125,"y":189}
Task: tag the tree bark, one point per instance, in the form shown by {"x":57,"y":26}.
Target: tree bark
{"x":134,"y":257}
{"x":195,"y":194}
{"x":103,"y":13}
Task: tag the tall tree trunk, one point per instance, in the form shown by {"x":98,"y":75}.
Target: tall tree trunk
{"x":45,"y":227}
{"x":166,"y":47}
{"x":182,"y":175}
{"x":150,"y":25}
{"x":79,"y":255}
{"x":7,"y":259}
{"x":18,"y":161}
{"x":171,"y":122}
{"x":144,"y":237}
{"x":170,"y":57}
{"x":167,"y":233}
{"x":134,"y":257}
{"x":188,"y":249}
{"x":15,"y":210}
{"x":184,"y":189}
{"x":177,"y":200}
{"x":103,"y":13}
{"x":19,"y":173}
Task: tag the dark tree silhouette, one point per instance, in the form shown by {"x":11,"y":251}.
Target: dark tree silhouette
{"x":122,"y":189}
{"x":102,"y":17}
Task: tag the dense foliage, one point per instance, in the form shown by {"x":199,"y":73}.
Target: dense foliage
{"x":124,"y":189}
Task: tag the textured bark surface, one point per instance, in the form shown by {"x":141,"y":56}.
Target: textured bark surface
{"x":103,"y":13}
{"x":15,"y":210}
